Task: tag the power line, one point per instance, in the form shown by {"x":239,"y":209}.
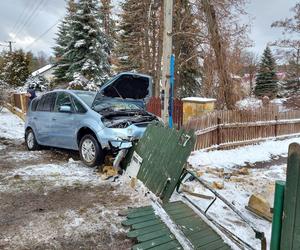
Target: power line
{"x":21,"y":17}
{"x":33,"y":13}
{"x":43,"y":34}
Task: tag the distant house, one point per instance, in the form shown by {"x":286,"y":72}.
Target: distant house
{"x":46,"y":72}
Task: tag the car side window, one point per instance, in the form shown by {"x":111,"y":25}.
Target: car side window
{"x":63,"y":99}
{"x":40,"y":105}
{"x":34,"y":104}
{"x":49,"y":102}
{"x":46,"y":102}
{"x":78,"y":106}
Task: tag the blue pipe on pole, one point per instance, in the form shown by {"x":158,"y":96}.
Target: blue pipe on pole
{"x":172,"y":80}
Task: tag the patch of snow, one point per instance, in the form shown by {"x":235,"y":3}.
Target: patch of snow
{"x":42,"y":70}
{"x":198,"y":99}
{"x":249,"y":103}
{"x":241,"y":156}
{"x":11,"y":126}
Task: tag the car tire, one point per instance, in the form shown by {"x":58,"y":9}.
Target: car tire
{"x":31,"y":141}
{"x":90,"y":151}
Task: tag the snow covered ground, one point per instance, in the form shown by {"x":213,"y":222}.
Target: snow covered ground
{"x":11,"y":126}
{"x":242,"y":172}
{"x":242,"y":156}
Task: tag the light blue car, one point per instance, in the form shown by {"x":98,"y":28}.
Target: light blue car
{"x":95,"y":123}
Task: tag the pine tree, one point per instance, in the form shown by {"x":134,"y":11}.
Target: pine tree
{"x":15,"y":68}
{"x":266,"y":79}
{"x":130,"y":42}
{"x":62,"y":41}
{"x":89,"y":50}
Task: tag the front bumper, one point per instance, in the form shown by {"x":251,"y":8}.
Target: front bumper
{"x":119,"y":138}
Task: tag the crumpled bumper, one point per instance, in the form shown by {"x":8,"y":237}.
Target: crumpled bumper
{"x":119,"y":138}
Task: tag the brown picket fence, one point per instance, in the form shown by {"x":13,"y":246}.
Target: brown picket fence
{"x":225,"y":129}
{"x":154,"y":106}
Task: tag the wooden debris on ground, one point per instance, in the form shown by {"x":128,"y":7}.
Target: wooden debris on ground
{"x":260,"y":206}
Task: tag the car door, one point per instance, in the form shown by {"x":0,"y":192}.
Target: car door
{"x":63,"y":126}
{"x":42,"y":118}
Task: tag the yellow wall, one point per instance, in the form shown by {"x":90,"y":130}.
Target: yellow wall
{"x":192,"y":109}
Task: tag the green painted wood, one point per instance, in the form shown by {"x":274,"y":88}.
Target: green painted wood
{"x":153,"y":235}
{"x":162,"y":165}
{"x":194,"y":228}
{"x":277,"y":215}
{"x":150,"y":229}
{"x":168,"y":246}
{"x":139,"y":214}
{"x":146,"y":224}
{"x":290,"y":239}
{"x":140,"y":219}
{"x":153,"y":243}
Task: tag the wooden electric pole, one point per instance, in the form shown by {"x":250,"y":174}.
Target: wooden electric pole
{"x":167,"y":52}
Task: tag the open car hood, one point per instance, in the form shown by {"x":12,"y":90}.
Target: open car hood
{"x":128,"y":85}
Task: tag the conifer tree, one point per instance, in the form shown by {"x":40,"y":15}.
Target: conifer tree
{"x":62,"y":41}
{"x":89,"y":50}
{"x":266,"y":79}
{"x":83,"y":49}
{"x":14,"y":68}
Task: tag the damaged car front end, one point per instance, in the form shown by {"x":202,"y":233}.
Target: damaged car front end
{"x":94,"y":123}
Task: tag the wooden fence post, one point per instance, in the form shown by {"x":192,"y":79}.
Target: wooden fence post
{"x":276,"y":126}
{"x":290,"y":239}
{"x":218,"y":131}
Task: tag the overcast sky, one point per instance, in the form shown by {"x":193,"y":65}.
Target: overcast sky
{"x":26,"y":21}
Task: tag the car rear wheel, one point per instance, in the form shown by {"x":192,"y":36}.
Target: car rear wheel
{"x":90,"y":151}
{"x":30,"y":140}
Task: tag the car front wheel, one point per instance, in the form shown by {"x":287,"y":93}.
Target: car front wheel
{"x":90,"y":151}
{"x":30,"y":140}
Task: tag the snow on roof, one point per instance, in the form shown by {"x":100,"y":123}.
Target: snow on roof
{"x":198,"y":99}
{"x":42,"y":70}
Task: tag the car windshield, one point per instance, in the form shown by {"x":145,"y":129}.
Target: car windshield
{"x":114,"y":105}
{"x":87,"y":97}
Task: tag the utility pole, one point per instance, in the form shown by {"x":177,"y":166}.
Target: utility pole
{"x":9,"y":45}
{"x":167,"y":52}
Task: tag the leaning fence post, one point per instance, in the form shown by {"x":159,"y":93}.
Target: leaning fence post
{"x":277,"y":215}
{"x":291,"y":213}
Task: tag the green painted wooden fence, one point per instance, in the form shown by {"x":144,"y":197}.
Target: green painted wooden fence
{"x":290,"y":236}
{"x":164,"y":152}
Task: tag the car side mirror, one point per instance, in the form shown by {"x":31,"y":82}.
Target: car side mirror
{"x":65,"y":109}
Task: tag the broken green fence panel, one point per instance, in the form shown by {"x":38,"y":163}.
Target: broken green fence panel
{"x":193,"y":227}
{"x":139,"y":219}
{"x":153,"y":235}
{"x":136,"y":233}
{"x":169,"y":245}
{"x":164,"y":152}
{"x":153,"y":243}
{"x":290,"y":238}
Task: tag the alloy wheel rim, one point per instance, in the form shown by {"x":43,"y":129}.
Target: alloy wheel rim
{"x":88,"y":150}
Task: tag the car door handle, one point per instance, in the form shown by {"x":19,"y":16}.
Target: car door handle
{"x":53,"y":119}
{"x":34,"y":118}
